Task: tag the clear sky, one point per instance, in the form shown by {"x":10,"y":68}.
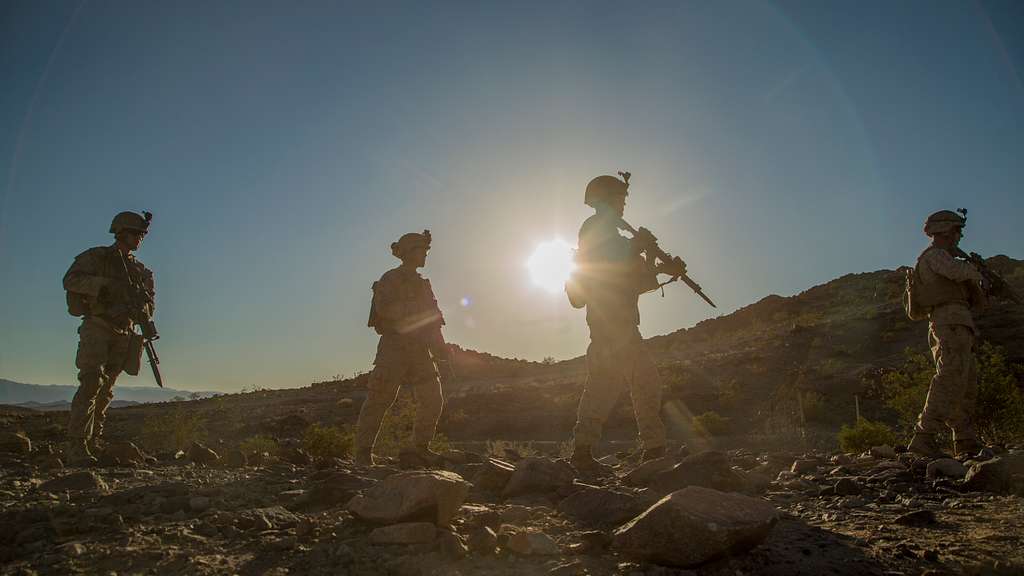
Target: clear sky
{"x":282,"y":146}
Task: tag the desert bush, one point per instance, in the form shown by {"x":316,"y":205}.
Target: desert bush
{"x":711,"y":423}
{"x":999,"y":411}
{"x":326,"y":442}
{"x":865,"y":434}
{"x":174,"y":430}
{"x":259,"y":445}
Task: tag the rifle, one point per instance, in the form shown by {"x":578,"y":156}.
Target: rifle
{"x":138,"y":299}
{"x":672,"y":265}
{"x":992,"y":283}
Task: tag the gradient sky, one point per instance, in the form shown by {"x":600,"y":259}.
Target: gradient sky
{"x":282,"y":146}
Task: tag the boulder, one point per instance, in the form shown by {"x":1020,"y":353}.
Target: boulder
{"x":709,"y":469}
{"x":270,"y":518}
{"x":76,"y":481}
{"x":451,"y":545}
{"x":404,"y":533}
{"x":539,"y":475}
{"x":847,"y":487}
{"x":493,"y":475}
{"x":883,"y":452}
{"x":600,"y":507}
{"x":694,"y":525}
{"x":15,"y":443}
{"x":529,"y":543}
{"x":1003,"y":474}
{"x":122,"y":453}
{"x":804,"y":467}
{"x":644,"y":473}
{"x":422,"y":495}
{"x":331,"y":488}
{"x":482,"y":540}
{"x":946,"y":468}
{"x":202,"y":455}
{"x":295,"y":456}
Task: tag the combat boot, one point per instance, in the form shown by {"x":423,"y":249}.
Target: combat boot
{"x":924,"y":444}
{"x":971,"y":448}
{"x":78,"y":454}
{"x":652,"y":454}
{"x":419,"y":457}
{"x":583,"y":461}
{"x":364,"y":457}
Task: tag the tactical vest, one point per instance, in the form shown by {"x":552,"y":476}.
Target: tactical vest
{"x":940,"y":290}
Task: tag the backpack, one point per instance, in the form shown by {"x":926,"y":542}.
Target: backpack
{"x":375,"y":320}
{"x":78,"y":304}
{"x":913,"y":304}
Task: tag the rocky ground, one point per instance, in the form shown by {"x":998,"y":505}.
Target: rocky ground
{"x":709,"y":513}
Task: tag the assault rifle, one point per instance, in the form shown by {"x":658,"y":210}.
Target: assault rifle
{"x":992,"y":283}
{"x":139,"y":299}
{"x":671,"y":265}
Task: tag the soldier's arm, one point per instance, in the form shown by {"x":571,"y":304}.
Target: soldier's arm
{"x":149,"y":284}
{"x":82,"y":278}
{"x":943,"y":264}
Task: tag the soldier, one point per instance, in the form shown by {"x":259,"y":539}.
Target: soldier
{"x":948,"y":288}
{"x":411,"y":350}
{"x":97,"y":290}
{"x":612,"y":273}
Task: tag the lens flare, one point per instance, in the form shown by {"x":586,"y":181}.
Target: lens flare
{"x":551,"y":264}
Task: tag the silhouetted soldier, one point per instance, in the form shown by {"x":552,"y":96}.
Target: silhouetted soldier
{"x":948,"y":288}
{"x":612,"y":273}
{"x":98,"y":291}
{"x":411,"y":351}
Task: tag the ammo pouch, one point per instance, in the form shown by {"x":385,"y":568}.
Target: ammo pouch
{"x":912,"y":301}
{"x":133,"y":362}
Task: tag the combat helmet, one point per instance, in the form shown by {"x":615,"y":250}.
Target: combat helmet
{"x":131,"y":221}
{"x":943,"y":221}
{"x":603,"y":187}
{"x":409,"y":241}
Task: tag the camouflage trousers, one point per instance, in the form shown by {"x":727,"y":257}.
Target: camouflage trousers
{"x":401,"y":361}
{"x":610,"y":367}
{"x":954,"y":388}
{"x":102,"y":353}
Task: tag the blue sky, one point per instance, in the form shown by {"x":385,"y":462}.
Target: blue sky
{"x":283,"y":146}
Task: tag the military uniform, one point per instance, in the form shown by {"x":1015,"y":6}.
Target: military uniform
{"x":611,"y":276}
{"x":107,"y":345}
{"x":951,"y":334}
{"x":406,"y":315}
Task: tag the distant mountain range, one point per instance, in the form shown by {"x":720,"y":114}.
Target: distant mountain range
{"x":56,"y":397}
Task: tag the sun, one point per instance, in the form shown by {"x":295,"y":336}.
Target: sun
{"x":551,"y":264}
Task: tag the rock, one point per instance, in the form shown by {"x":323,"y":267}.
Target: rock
{"x":568,"y":569}
{"x":482,"y":540}
{"x":529,"y":543}
{"x":296,"y":456}
{"x":593,"y":542}
{"x":539,"y":475}
{"x":202,"y":455}
{"x":331,"y":488}
{"x":234,"y":458}
{"x":451,"y":545}
{"x":917,"y":518}
{"x":804,"y":467}
{"x":493,"y":475}
{"x":847,"y":487}
{"x":1003,"y":474}
{"x":76,"y":481}
{"x":428,"y":495}
{"x":709,"y":469}
{"x":600,"y":507}
{"x":123,"y":454}
{"x":273,"y":517}
{"x":15,"y":443}
{"x":841,"y":459}
{"x":883,"y":452}
{"x":694,"y":525}
{"x":945,"y":467}
{"x":644,"y":473}
{"x":199,"y":503}
{"x":405,"y":533}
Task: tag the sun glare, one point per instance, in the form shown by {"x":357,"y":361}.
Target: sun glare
{"x":551,"y":264}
